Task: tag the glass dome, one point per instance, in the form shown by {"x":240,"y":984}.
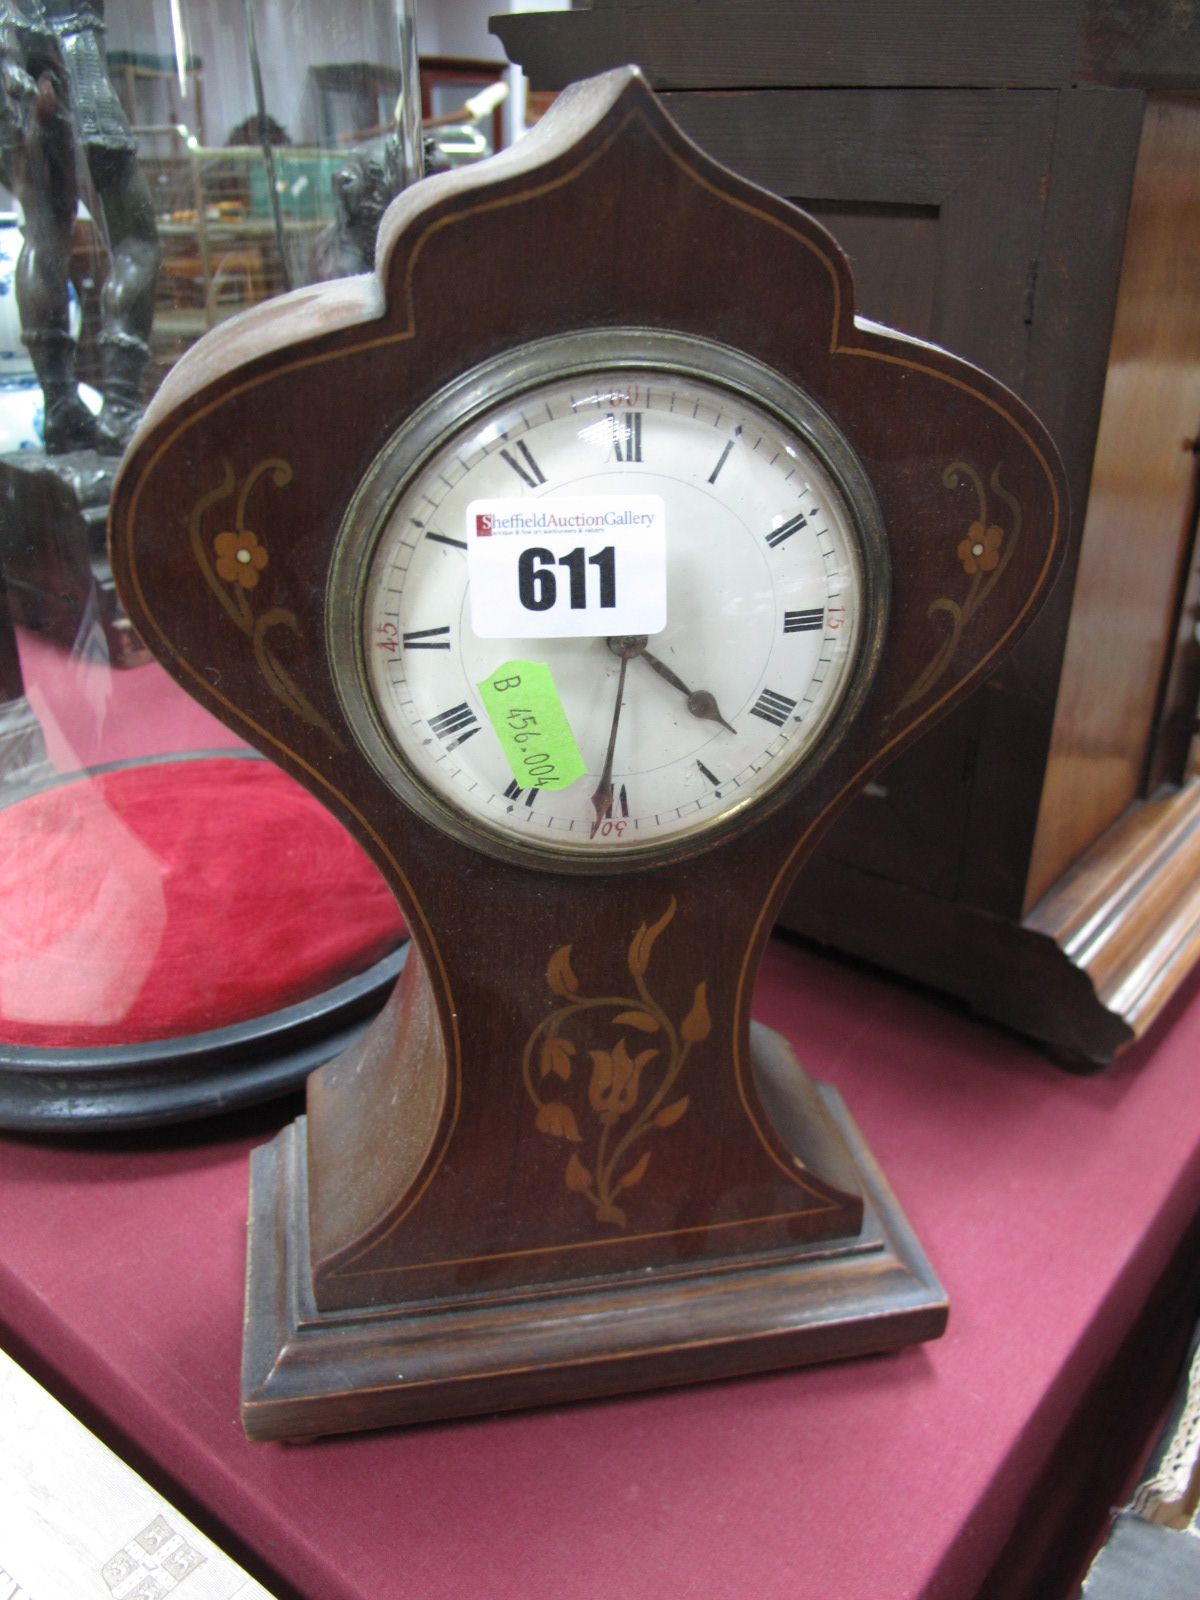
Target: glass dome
{"x":182,"y":927}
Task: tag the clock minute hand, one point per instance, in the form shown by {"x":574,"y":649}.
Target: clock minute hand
{"x":700,"y":702}
{"x":602,"y":797}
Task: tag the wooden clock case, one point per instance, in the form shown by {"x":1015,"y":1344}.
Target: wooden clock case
{"x":1020,"y":183}
{"x":463,"y":1221}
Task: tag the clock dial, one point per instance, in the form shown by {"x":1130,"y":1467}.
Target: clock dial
{"x":668,"y":734}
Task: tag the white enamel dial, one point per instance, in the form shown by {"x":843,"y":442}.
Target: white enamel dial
{"x":678,"y":730}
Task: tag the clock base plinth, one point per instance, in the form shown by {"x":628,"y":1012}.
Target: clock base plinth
{"x":306,"y":1373}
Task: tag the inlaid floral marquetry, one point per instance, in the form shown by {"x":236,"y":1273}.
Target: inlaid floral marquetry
{"x":609,"y":1099}
{"x":234,"y":561}
{"x":984,"y":553}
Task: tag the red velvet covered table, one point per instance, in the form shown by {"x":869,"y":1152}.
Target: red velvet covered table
{"x":1051,"y":1206}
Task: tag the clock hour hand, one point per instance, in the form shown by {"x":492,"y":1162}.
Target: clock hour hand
{"x":700,"y":702}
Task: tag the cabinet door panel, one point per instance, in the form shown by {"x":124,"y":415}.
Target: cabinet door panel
{"x":902,"y":278}
{"x":937,"y":198}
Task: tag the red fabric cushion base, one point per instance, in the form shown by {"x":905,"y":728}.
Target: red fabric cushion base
{"x":157,"y":901}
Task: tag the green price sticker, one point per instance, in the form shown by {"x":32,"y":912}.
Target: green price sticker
{"x":523,"y":706}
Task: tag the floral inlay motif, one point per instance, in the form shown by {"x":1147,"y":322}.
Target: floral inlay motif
{"x":240,"y":558}
{"x":630,"y":1081}
{"x":980,"y":550}
{"x":234,"y":568}
{"x":983,"y":554}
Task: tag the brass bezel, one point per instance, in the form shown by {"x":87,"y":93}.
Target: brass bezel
{"x":457,"y":407}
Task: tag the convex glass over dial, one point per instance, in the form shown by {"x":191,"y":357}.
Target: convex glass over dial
{"x":606,"y":595}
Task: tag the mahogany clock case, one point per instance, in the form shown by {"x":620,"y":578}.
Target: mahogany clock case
{"x":458,"y":1171}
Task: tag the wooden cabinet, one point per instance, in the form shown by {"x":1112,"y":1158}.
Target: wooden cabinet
{"x":1021,"y":185}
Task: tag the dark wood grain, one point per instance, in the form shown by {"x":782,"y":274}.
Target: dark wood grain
{"x":929,"y":195}
{"x":1173,"y":746}
{"x":425,"y":1176}
{"x":963,"y":158}
{"x":1070,"y":320}
{"x":1137,"y":536}
{"x":1091,"y":967}
{"x":1127,"y":914}
{"x":1139,"y":42}
{"x":926,"y":43}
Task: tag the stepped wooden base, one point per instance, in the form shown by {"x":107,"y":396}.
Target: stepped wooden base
{"x":1088,"y":970}
{"x":306,"y":1373}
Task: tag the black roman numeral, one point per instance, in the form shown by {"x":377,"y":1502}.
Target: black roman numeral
{"x":711,"y":776}
{"x":627,"y":436}
{"x":456,"y":725}
{"x":515,"y":792}
{"x":804,"y":621}
{"x":527,"y":468}
{"x":787,"y":529}
{"x":622,"y":800}
{"x":427,"y":639}
{"x":772,"y":707}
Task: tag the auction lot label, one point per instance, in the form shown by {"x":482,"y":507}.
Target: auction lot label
{"x":575,"y":567}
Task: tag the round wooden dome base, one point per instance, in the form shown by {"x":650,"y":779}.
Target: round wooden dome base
{"x":306,"y":1373}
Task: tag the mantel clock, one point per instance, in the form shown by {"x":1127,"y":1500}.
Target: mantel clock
{"x":584,"y":562}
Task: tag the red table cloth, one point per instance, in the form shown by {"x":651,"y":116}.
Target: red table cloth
{"x":1050,"y":1205}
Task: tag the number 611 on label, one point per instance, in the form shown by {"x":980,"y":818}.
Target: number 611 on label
{"x":565,"y":567}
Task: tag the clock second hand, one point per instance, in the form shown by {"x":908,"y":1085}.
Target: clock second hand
{"x":700,"y":702}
